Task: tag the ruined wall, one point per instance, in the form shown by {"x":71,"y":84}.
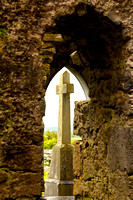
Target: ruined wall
{"x":103,"y":166}
{"x":103,"y":160}
{"x":37,"y":38}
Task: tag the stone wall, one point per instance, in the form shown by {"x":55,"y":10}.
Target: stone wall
{"x":95,"y":38}
{"x":103,"y":164}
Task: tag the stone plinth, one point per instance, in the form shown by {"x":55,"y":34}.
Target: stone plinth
{"x":59,"y":198}
{"x":58,"y":188}
{"x":62,"y":163}
{"x":61,"y":172}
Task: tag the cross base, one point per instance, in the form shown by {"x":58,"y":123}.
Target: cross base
{"x":58,"y":188}
{"x":60,"y":181}
{"x":59,"y":198}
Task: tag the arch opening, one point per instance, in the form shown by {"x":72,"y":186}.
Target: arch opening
{"x":51,"y":114}
{"x":93,"y":46}
{"x":52,"y":100}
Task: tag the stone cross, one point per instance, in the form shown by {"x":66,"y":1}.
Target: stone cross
{"x":64,"y":126}
{"x":59,"y":185}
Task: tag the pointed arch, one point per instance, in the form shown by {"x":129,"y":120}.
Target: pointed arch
{"x":80,"y":86}
{"x":81,"y":81}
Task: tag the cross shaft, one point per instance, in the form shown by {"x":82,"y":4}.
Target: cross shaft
{"x":64,"y":126}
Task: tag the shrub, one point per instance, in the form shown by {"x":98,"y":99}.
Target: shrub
{"x":50,"y":139}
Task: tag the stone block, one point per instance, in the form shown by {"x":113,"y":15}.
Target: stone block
{"x":3,"y":177}
{"x":49,"y":37}
{"x":58,"y":188}
{"x":89,"y":170}
{"x":47,"y":48}
{"x":60,"y":182}
{"x":4,"y":191}
{"x":78,"y":187}
{"x":25,"y":185}
{"x":120,"y":150}
{"x":47,"y":58}
{"x":59,"y":198}
{"x":29,"y":159}
{"x":76,"y":59}
{"x":62,"y":163}
{"x":26,"y":198}
{"x":77,"y":157}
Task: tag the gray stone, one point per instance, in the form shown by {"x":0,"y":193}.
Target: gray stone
{"x":61,"y":172}
{"x":62,"y":163}
{"x":60,"y":182}
{"x":64,"y":127}
{"x":121,"y":150}
{"x":58,"y":188}
{"x":59,"y":198}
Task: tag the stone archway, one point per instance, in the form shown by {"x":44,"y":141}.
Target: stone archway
{"x":94,"y":47}
{"x":52,"y":101}
{"x":94,"y":38}
{"x":81,"y":81}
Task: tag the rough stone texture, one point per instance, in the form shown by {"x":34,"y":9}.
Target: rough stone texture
{"x":103,"y":161}
{"x":64,"y":89}
{"x":60,"y":181}
{"x":121,"y":150}
{"x":94,"y":37}
{"x":60,"y":198}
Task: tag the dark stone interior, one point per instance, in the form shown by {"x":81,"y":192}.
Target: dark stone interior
{"x":100,"y":46}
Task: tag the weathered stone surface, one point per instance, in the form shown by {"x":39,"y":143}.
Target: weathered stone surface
{"x":121,"y":150}
{"x":21,"y":184}
{"x":25,"y":184}
{"x":53,"y":38}
{"x":101,"y":32}
{"x":61,"y":166}
{"x":4,"y":191}
{"x":77,"y":165}
{"x":28,"y":159}
{"x":25,"y":198}
{"x":64,"y":118}
{"x":59,"y":198}
{"x":3,"y":176}
{"x":60,"y":182}
{"x":105,"y":159}
{"x":58,"y":188}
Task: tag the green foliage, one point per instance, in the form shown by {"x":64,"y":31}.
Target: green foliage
{"x":50,"y":139}
{"x":46,"y":174}
{"x":75,"y":138}
{"x":3,"y":32}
